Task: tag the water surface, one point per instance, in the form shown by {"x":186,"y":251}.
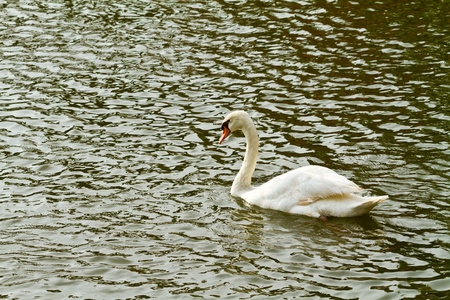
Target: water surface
{"x":113,"y":184}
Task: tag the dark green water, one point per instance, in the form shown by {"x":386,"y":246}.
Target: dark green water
{"x":113,"y":185}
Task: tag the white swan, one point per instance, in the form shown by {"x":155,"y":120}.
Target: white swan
{"x":312,"y":190}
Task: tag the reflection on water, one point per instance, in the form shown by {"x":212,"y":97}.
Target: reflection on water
{"x":113,"y":184}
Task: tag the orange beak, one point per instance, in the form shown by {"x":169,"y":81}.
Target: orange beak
{"x":225,"y":133}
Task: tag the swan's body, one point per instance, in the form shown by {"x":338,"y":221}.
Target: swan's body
{"x":312,"y":190}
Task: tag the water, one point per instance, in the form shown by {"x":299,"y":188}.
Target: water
{"x":113,"y":185}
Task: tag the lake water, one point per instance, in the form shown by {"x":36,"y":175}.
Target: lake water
{"x":113,"y":184}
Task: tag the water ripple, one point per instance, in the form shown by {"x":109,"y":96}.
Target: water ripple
{"x":113,"y":183}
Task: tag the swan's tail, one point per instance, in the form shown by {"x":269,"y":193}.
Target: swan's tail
{"x":368,"y":204}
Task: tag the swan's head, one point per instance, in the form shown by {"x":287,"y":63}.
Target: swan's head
{"x":237,"y":120}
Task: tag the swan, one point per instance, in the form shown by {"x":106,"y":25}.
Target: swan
{"x":313,"y":191}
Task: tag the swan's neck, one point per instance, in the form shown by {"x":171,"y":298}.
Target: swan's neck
{"x":243,"y":180}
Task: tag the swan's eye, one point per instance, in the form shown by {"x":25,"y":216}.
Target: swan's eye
{"x":225,"y":125}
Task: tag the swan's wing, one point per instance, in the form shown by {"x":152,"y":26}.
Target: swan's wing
{"x":314,"y":183}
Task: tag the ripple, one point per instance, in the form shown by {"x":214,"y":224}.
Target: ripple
{"x":113,"y":184}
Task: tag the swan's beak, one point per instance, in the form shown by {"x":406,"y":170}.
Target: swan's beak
{"x":225,"y":133}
